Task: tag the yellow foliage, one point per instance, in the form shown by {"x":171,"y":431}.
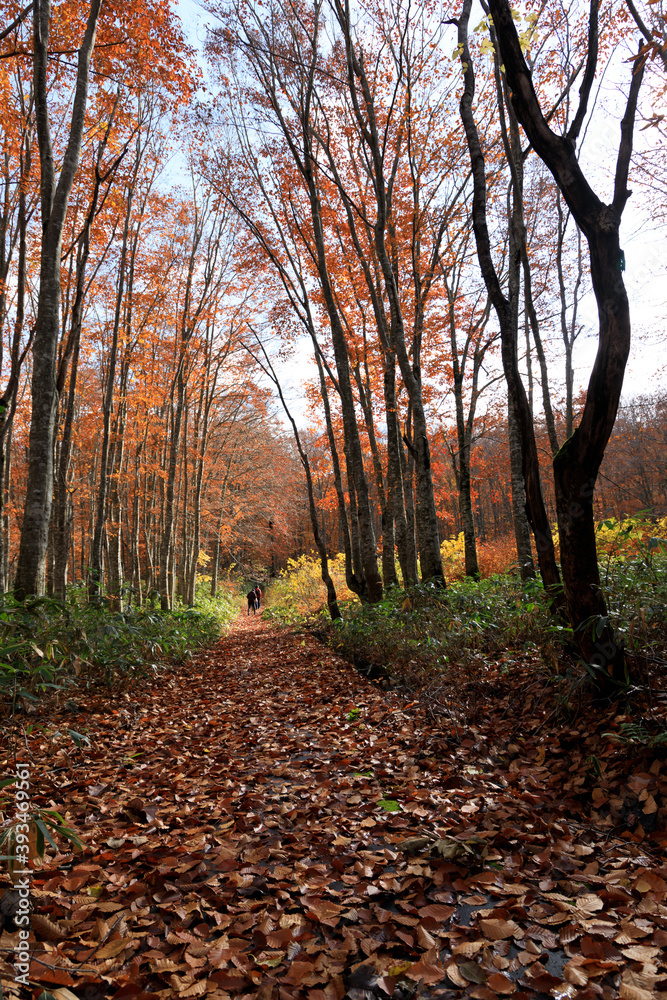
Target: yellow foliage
{"x":627,"y":536}
{"x":300,"y":586}
{"x":452,"y":551}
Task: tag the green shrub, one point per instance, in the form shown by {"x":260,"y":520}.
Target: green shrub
{"x":413,"y":635}
{"x":429,"y":629}
{"x":47,"y":643}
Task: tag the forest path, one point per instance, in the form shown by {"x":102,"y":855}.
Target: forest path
{"x":244,"y":819}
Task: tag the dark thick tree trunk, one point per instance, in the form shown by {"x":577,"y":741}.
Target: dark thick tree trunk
{"x":408,"y":470}
{"x":467,"y":518}
{"x":524,"y":552}
{"x":577,"y":463}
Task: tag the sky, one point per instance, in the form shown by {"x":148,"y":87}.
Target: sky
{"x":193,"y":19}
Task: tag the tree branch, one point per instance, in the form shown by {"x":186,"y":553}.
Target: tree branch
{"x":16,"y":22}
{"x":589,"y":73}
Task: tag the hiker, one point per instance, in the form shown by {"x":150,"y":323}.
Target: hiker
{"x":252,"y":602}
{"x":258,"y":596}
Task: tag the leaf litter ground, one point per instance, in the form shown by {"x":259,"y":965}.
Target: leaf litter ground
{"x":264,"y":822}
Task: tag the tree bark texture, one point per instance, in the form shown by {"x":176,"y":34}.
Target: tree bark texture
{"x":54,"y":197}
{"x":506,"y":312}
{"x":577,"y":463}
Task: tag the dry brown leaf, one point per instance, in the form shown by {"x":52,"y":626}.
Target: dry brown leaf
{"x":470,"y":948}
{"x":196,"y":990}
{"x":437,"y":911}
{"x":164,"y":965}
{"x":629,"y":992}
{"x":497,"y":929}
{"x":114,"y":947}
{"x":426,"y":972}
{"x":640,"y":953}
{"x":455,"y":976}
{"x":46,"y":929}
{"x":501,"y":984}
{"x":574,"y":972}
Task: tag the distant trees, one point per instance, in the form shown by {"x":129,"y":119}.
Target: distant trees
{"x":354,"y":198}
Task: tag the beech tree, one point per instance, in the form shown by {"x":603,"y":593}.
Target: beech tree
{"x":19,"y":199}
{"x":577,"y":463}
{"x":340,"y":151}
{"x":54,"y":199}
{"x":506,"y":306}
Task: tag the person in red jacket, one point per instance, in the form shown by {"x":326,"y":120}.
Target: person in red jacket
{"x":258,"y":595}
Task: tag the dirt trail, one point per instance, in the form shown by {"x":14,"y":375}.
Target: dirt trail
{"x":244,"y":825}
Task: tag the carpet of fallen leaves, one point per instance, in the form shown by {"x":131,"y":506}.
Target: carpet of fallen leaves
{"x":265,"y":822}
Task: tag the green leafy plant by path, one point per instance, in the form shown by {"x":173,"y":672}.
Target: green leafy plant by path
{"x":26,"y":836}
{"x":47,"y":643}
{"x":638,"y":734}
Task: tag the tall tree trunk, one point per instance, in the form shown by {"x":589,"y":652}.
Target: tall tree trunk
{"x":577,"y":463}
{"x":54,"y":196}
{"x":17,"y":357}
{"x":426,"y":516}
{"x":389,"y":577}
{"x":569,"y":331}
{"x":506,"y":311}
{"x":332,"y":600}
{"x":408,"y":470}
{"x":524,"y":552}
{"x":166,"y":544}
{"x":215,"y":567}
{"x":361,"y":525}
{"x":352,"y":568}
{"x":106,"y":460}
{"x":407,"y":555}
{"x":464,"y":428}
{"x":62,"y":519}
{"x":6,"y":486}
{"x":136,"y":586}
{"x":207,"y":226}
